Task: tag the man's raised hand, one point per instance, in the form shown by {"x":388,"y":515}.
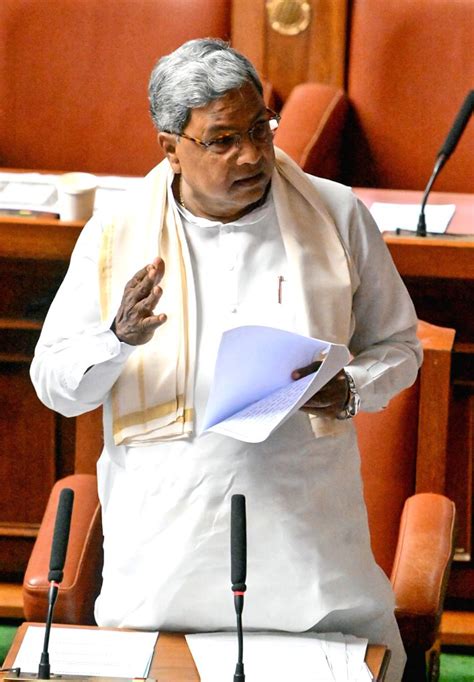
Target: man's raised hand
{"x":135,"y":322}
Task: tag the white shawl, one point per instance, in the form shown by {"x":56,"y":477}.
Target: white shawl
{"x":153,"y":397}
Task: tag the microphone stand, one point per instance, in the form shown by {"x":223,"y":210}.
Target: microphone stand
{"x":239,"y":675}
{"x":44,"y":670}
{"x":421,"y":227}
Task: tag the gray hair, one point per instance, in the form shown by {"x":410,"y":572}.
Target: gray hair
{"x":195,"y":74}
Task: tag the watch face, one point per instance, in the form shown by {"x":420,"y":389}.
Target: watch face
{"x":353,"y":404}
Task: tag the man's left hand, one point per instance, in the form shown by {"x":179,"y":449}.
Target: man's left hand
{"x":331,"y":399}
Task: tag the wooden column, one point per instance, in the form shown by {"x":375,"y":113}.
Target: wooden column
{"x":292,"y":41}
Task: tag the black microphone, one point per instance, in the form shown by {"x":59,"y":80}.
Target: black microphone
{"x":444,"y":153}
{"x":56,"y":567}
{"x":238,"y":559}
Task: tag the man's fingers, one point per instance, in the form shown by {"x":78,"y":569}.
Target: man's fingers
{"x":153,"y":322}
{"x":148,"y":276}
{"x":148,"y":304}
{"x":135,"y":322}
{"x":304,"y":371}
{"x":155,"y":271}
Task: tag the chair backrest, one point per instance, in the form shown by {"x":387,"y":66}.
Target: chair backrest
{"x":410,"y":67}
{"x":84,"y":558}
{"x":74,"y":75}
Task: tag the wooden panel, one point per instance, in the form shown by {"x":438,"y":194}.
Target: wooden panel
{"x":431,"y":458}
{"x":11,"y":601}
{"x":457,"y":629}
{"x":315,"y":54}
{"x":460,"y":482}
{"x":36,"y":444}
{"x":27,"y":465}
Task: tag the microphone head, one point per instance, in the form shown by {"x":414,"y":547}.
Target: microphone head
{"x":238,"y":543}
{"x":458,"y":126}
{"x":61,"y":535}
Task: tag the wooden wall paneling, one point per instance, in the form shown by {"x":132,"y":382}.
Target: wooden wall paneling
{"x":36,"y":444}
{"x":248,"y":31}
{"x":27,"y":466}
{"x":329,"y":39}
{"x":317,"y":53}
{"x":460,"y":480}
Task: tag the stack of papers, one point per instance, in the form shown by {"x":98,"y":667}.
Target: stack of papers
{"x":252,"y":392}
{"x":79,"y":651}
{"x":281,"y":657}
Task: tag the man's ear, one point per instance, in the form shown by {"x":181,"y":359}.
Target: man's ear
{"x":168,"y":142}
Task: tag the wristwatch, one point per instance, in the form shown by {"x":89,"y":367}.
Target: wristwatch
{"x":352,"y":406}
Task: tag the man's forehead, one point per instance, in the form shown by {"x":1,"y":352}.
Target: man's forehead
{"x":235,"y":108}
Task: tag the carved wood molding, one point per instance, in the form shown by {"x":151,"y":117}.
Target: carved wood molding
{"x":19,"y":530}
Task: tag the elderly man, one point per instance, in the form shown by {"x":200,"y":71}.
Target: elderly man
{"x":227,"y":230}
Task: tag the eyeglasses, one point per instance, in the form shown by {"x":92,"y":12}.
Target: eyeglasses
{"x":260,"y":133}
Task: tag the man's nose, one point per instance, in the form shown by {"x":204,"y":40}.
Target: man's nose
{"x":249,"y":152}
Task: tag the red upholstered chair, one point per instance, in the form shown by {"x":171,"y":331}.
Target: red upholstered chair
{"x":412,"y":532}
{"x":74,"y":75}
{"x":409,"y":68}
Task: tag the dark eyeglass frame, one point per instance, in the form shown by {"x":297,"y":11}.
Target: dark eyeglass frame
{"x":236,"y":137}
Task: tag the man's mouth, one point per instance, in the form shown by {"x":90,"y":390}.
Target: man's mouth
{"x":249,"y":179}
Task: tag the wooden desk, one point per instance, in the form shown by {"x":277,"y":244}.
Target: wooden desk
{"x":172,"y":660}
{"x":450,"y":255}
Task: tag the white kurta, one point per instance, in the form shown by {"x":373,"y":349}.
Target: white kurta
{"x":166,"y":507}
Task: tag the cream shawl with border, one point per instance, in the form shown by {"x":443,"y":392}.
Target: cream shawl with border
{"x":153,"y":398}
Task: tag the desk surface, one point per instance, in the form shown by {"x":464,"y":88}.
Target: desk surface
{"x":172,"y":660}
{"x":443,"y":256}
{"x":447,"y":256}
{"x":462,"y":222}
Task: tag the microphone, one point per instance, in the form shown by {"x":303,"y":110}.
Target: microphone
{"x":238,"y":558}
{"x":444,"y":153}
{"x":56,"y":567}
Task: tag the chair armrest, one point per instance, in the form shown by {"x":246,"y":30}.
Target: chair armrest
{"x":421,"y":567}
{"x":311,"y":127}
{"x":434,"y":338}
{"x":83,"y":566}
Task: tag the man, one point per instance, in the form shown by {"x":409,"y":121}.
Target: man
{"x":223,"y":233}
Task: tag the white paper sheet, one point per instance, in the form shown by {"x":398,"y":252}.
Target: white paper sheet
{"x":37,"y":191}
{"x":281,"y":657}
{"x":79,"y":651}
{"x":389,"y":217}
{"x":252,"y":392}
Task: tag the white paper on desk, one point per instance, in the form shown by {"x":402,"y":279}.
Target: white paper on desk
{"x":37,"y":191}
{"x":252,"y":392}
{"x":350,"y":666}
{"x":389,"y":217}
{"x":81,"y":651}
{"x":279,"y":657}
{"x":28,"y":191}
